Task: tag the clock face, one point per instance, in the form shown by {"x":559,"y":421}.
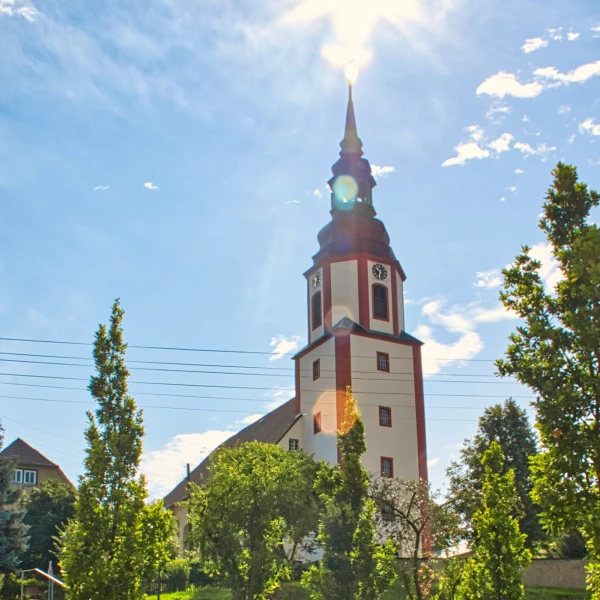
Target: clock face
{"x":379,"y":272}
{"x":316,"y":280}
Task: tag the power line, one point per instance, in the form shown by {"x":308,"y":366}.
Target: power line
{"x":223,"y":351}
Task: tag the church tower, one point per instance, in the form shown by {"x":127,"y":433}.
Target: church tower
{"x":356,"y":331}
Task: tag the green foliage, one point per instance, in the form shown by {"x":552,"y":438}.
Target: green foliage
{"x":450,"y":579}
{"x":115,"y":541}
{"x":495,"y":570}
{"x":555,"y":352}
{"x":509,"y":426}
{"x":13,"y":532}
{"x":177,"y":574}
{"x":47,"y":508}
{"x":415,"y":520}
{"x":354,"y":566}
{"x":257,"y":496}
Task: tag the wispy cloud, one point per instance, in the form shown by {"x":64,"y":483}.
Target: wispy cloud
{"x":282,"y":345}
{"x":590,"y":126}
{"x":506,"y":84}
{"x":564,"y":110}
{"x":150,"y":186}
{"x":502,"y":144}
{"x":101,"y":188}
{"x":381,"y":171}
{"x":578,"y":75}
{"x":519,"y":171}
{"x":318,"y":194}
{"x":432,"y":462}
{"x":511,"y":188}
{"x":526,"y":148}
{"x":469,"y":150}
{"x":572,"y":35}
{"x":488,"y":279}
{"x":250,"y":419}
{"x":165,"y":468}
{"x":533,"y":44}
{"x":497,"y":108}
{"x":293,"y":202}
{"x":10,"y":8}
{"x":279,"y":396}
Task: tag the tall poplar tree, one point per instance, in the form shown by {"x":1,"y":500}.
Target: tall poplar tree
{"x":115,"y":541}
{"x":495,"y":570}
{"x":13,"y":532}
{"x":354,"y":566}
{"x":556,"y":352}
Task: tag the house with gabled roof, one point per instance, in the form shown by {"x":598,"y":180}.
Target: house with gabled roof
{"x":31,"y":466}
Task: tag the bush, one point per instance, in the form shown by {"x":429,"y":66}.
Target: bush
{"x":291,"y":591}
{"x":178,"y":574}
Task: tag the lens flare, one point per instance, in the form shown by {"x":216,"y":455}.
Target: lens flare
{"x":345,"y":190}
{"x":351,"y":72}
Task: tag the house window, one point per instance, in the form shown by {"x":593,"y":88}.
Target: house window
{"x":380,"y":302}
{"x":316,"y":310}
{"x":317,"y":422}
{"x":383,"y":362}
{"x":387,"y":511}
{"x":387,"y":466}
{"x":293,"y":444}
{"x":317,"y":369}
{"x":18,"y":476}
{"x":29,"y":477}
{"x":385,"y":416}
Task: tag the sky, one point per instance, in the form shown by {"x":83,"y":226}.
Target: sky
{"x":175,"y":154}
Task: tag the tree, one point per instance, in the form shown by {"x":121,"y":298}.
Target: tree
{"x":415,"y":520}
{"x":257,"y":497}
{"x":354,"y":566}
{"x":47,"y":509}
{"x":495,"y":570}
{"x":555,"y":351}
{"x":509,"y":426}
{"x":115,"y":540}
{"x":13,"y":532}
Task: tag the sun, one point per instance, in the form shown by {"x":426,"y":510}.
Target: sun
{"x":353,"y":23}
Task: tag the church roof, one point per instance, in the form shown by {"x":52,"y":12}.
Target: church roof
{"x":23,"y":454}
{"x":269,"y":429}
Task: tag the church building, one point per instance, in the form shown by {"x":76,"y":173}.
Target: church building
{"x":356,"y":337}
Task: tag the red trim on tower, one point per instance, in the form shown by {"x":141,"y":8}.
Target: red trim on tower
{"x":363,"y":293}
{"x":420,"y":413}
{"x":343,"y":376}
{"x":297,"y":402}
{"x":395,"y":320}
{"x":394,"y":264}
{"x":327,"y":295}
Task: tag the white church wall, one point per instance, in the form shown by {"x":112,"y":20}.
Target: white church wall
{"x":344,"y":291}
{"x":378,"y":324}
{"x":295,"y":433}
{"x":372,"y":389}
{"x":319,"y":397}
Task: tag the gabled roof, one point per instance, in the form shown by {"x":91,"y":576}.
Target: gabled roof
{"x":269,"y":429}
{"x":23,"y":454}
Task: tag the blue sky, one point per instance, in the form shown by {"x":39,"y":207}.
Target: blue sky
{"x":175,"y":154}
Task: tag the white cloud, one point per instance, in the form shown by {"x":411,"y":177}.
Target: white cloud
{"x":519,"y":171}
{"x":466,"y":152}
{"x":381,"y":171}
{"x":318,"y":194}
{"x":572,"y":36}
{"x":578,"y":75}
{"x":488,"y":279}
{"x":511,"y":188}
{"x":9,"y":8}
{"x":533,"y":44}
{"x":555,"y":34}
{"x":432,"y":462}
{"x":590,"y":126}
{"x":250,"y":419}
{"x":101,"y":188}
{"x":293,"y":202}
{"x":526,"y":148}
{"x":150,"y":186}
{"x":497,"y":108}
{"x":502,"y":199}
{"x":564,"y":110}
{"x":506,"y":84}
{"x":596,"y":30}
{"x":460,"y":319}
{"x":476,"y":132}
{"x":502,"y":144}
{"x":525,"y":119}
{"x":550,"y":271}
{"x":282,"y":346}
{"x":165,"y":468}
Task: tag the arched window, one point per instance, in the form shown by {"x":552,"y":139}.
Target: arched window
{"x":380,"y":302}
{"x":316,"y":310}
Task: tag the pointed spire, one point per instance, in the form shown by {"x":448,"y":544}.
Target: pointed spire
{"x":351,"y":144}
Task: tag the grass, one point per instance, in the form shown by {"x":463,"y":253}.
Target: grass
{"x":210,"y":593}
{"x":555,"y":594}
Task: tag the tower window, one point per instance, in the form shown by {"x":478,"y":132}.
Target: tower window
{"x":317,"y":422}
{"x":316,"y":310}
{"x":380,"y":302}
{"x":317,"y":369}
{"x":383,"y":362}
{"x":293,"y":444}
{"x":387,"y":466}
{"x":385,"y":416}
